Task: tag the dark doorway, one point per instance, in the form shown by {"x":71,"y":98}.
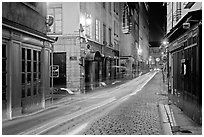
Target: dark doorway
{"x":59,"y":69}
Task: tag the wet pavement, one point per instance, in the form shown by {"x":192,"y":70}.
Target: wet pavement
{"x":139,"y":114}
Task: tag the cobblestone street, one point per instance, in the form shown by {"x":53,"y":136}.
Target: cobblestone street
{"x":139,"y":115}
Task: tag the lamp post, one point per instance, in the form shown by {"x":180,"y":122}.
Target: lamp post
{"x":166,"y":46}
{"x":87,"y":22}
{"x":139,"y":51}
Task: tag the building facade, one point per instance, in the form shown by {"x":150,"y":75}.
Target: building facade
{"x":88,"y":35}
{"x":143,"y":53}
{"x":25,"y":57}
{"x":185,"y":63}
{"x":134,"y":38}
{"x":176,"y":10}
{"x":129,"y":38}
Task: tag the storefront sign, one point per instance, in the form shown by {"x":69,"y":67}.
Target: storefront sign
{"x":55,"y":70}
{"x":73,"y":58}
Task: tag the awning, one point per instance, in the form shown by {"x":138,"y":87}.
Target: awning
{"x":94,"y":56}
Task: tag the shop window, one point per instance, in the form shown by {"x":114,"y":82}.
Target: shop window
{"x":30,"y":74}
{"x":34,"y":55}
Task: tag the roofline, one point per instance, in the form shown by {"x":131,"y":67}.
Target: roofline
{"x":178,"y":25}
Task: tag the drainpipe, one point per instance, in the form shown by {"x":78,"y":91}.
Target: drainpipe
{"x":52,"y":81}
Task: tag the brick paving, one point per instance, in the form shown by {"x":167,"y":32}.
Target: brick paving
{"x":138,"y":115}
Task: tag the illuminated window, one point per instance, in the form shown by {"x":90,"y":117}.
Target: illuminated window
{"x":97,"y":30}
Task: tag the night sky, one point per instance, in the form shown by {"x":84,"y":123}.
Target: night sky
{"x":157,"y":19}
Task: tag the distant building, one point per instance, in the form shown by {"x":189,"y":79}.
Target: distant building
{"x":129,"y":38}
{"x":25,"y":57}
{"x":143,"y":51}
{"x":155,"y":58}
{"x":88,"y":43}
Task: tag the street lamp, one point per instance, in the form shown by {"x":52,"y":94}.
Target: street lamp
{"x":139,"y":51}
{"x":84,"y":22}
{"x":166,"y":46}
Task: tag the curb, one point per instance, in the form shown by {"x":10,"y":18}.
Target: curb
{"x":166,"y":124}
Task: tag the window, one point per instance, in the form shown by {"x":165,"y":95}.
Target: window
{"x":109,"y":7}
{"x":88,"y":31}
{"x":56,"y":12}
{"x":125,"y":19}
{"x":30,"y":73}
{"x":116,"y":28}
{"x":109,"y":36}
{"x":97,"y":30}
{"x":104,"y":33}
{"x":116,"y":8}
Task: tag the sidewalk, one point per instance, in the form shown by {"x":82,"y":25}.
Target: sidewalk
{"x":180,"y":123}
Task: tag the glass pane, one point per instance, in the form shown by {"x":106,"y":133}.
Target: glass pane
{"x":58,"y":30}
{"x":23,"y":78}
{"x":39,"y":55}
{"x":34,"y":77}
{"x":35,"y":66}
{"x":29,"y":66}
{"x":34,"y":90}
{"x":23,"y":53}
{"x":29,"y":91}
{"x":29,"y":54}
{"x":34,"y":55}
{"x":50,"y":11}
{"x":39,"y":76}
{"x":23,"y":92}
{"x":23,"y":66}
{"x":58,"y":17}
{"x":39,"y":67}
{"x":58,"y":10}
{"x":28,"y":78}
{"x":58,"y":24}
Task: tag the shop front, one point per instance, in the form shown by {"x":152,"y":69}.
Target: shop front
{"x":25,"y":69}
{"x":93,"y":70}
{"x":184,"y":69}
